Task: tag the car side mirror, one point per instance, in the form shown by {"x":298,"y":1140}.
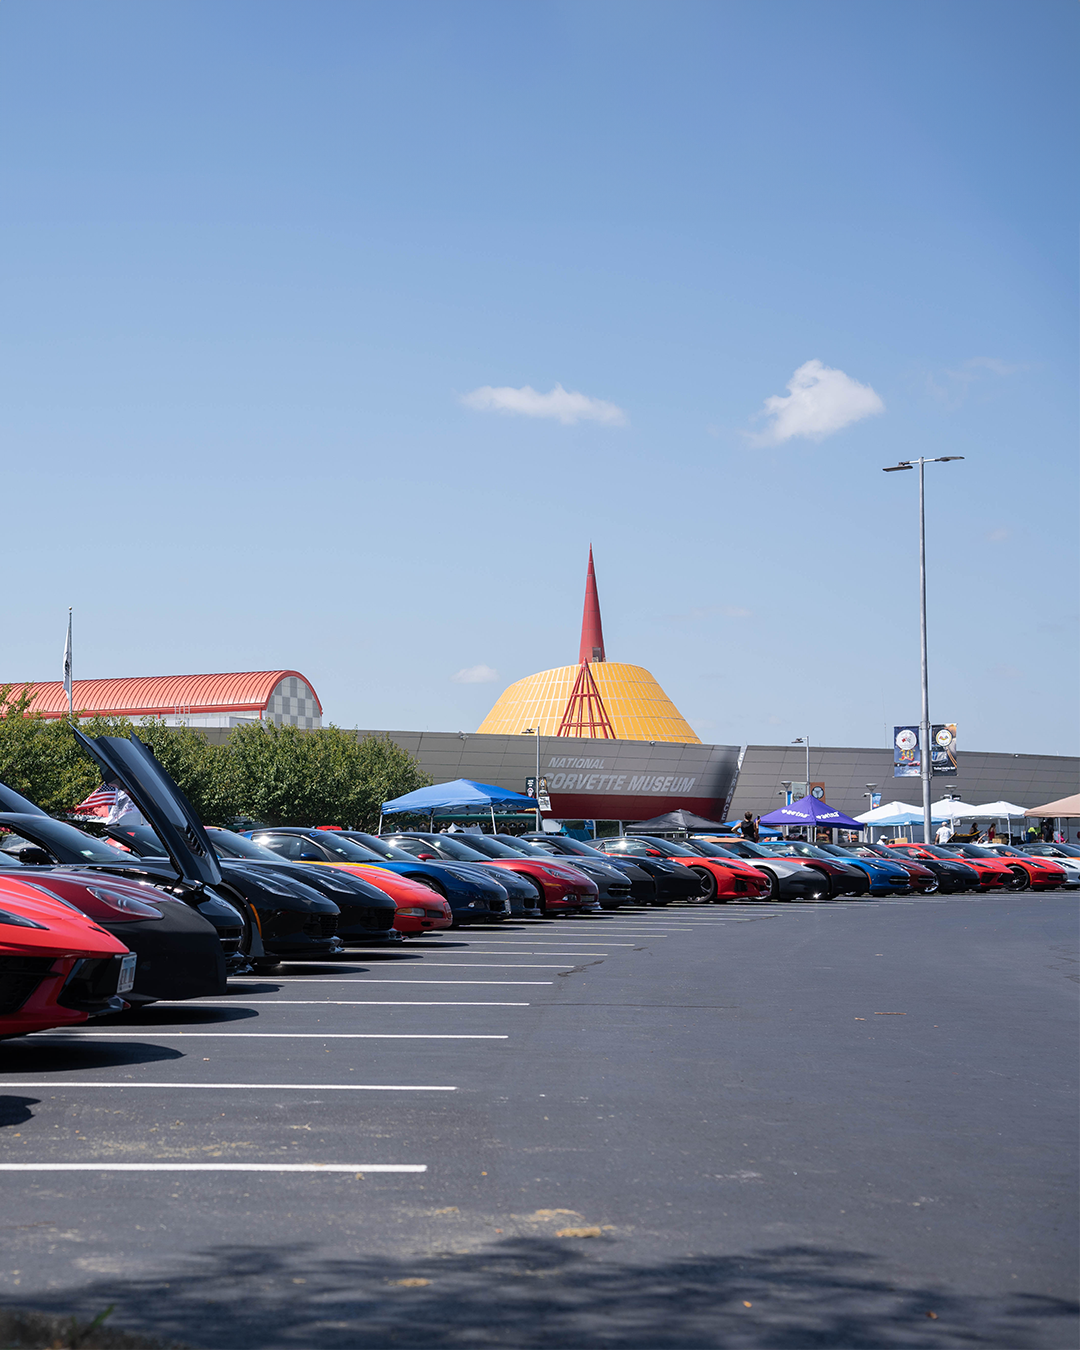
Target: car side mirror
{"x":34,"y":857}
{"x":654,"y":853}
{"x":310,"y":856}
{"x":427,"y":857}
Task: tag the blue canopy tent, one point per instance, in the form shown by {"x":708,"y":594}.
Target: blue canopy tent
{"x":462,"y":792}
{"x":811,"y":812}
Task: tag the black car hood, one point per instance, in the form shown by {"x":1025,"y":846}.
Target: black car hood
{"x":12,"y":801}
{"x":168,"y":812}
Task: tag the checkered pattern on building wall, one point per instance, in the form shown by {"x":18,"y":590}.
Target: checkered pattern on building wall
{"x":293,"y":703}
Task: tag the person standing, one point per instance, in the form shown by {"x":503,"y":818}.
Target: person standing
{"x":748,"y":827}
{"x":944,"y":833}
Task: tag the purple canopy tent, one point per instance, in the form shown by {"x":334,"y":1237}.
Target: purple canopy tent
{"x":809,"y":811}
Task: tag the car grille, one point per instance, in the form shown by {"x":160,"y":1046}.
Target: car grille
{"x":373,"y":919}
{"x":19,"y":977}
{"x":321,"y":926}
{"x":619,"y":889}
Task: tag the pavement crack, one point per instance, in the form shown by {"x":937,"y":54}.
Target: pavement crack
{"x":576,"y":970}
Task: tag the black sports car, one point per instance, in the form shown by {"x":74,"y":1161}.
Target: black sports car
{"x":669,"y":880}
{"x":612,"y":883}
{"x":366,"y":914}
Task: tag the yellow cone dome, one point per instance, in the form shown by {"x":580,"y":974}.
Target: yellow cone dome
{"x":638,"y":708}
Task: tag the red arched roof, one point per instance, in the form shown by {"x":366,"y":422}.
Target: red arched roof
{"x":152,"y":695}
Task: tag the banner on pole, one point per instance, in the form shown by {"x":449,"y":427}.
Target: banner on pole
{"x":943,"y":748}
{"x":907,"y":762}
{"x":542,"y":795}
{"x":817,"y":791}
{"x":530,"y":787}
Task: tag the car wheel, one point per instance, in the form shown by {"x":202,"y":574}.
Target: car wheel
{"x":708,"y":887}
{"x":267,"y":967}
{"x":774,"y":886}
{"x":1020,"y":879}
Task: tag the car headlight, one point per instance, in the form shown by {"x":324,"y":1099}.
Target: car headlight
{"x":415,"y":912}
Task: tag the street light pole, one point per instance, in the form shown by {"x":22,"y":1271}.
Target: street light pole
{"x":924,"y":723}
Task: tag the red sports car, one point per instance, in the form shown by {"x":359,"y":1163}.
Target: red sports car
{"x":991,"y":871}
{"x":721,"y":878}
{"x":1040,"y":874}
{"x":57,"y":967}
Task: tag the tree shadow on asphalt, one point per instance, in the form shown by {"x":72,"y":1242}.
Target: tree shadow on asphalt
{"x":527,"y":1292}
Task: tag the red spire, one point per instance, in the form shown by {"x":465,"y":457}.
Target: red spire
{"x":592,"y":630}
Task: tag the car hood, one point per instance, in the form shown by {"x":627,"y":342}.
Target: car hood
{"x":167,"y":811}
{"x":12,"y":801}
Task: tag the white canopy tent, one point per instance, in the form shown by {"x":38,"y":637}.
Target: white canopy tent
{"x":888,"y":813}
{"x":948,"y":809}
{"x":999,"y":811}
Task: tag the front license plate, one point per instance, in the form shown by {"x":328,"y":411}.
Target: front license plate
{"x":127,"y":973}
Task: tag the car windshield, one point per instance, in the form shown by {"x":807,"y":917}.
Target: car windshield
{"x":1056,"y":851}
{"x":483,"y":843}
{"x":564,"y":845}
{"x":449,"y":848}
{"x":229,"y":844}
{"x":344,"y":848}
{"x":141,"y":839}
{"x":669,"y":848}
{"x":711,"y":850}
{"x":796,"y":850}
{"x":973,"y":851}
{"x":525,"y":847}
{"x":380,"y":846}
{"x":1008,"y":849}
{"x":742,"y":848}
{"x":61,"y":838}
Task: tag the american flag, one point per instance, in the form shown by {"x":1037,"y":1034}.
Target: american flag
{"x":99,"y":803}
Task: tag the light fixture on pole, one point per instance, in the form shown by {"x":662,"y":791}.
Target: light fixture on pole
{"x":924,"y":724}
{"x":535,"y":731}
{"x":805,"y":740}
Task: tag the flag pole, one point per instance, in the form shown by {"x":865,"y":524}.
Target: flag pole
{"x":67,"y":668}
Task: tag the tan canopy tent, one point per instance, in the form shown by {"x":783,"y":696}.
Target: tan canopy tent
{"x":1064,"y":806}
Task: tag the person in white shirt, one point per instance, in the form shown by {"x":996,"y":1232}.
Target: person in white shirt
{"x":944,"y":833}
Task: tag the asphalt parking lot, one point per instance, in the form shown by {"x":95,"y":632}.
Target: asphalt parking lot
{"x":846,"y":1124}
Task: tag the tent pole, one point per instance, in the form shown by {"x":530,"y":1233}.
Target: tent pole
{"x":491,"y":808}
{"x":380,"y":822}
{"x":431,"y":821}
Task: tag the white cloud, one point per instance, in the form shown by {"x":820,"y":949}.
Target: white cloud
{"x":820,"y":401}
{"x":565,"y":406}
{"x":999,"y":535}
{"x":475,"y":675}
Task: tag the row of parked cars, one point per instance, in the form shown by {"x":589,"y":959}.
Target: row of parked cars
{"x":93,"y":921}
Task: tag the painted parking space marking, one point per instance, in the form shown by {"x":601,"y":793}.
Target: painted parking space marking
{"x":212,"y":1167}
{"x":344,"y":1003}
{"x":269,"y":1035}
{"x":231,"y":1087}
{"x":354,"y":980}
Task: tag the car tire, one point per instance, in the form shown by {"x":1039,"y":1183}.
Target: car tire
{"x":268,"y":967}
{"x":1020,"y":879}
{"x":774,"y":885}
{"x":708,"y":887}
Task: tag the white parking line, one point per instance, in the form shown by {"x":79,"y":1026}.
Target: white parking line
{"x":212,"y":1167}
{"x":74,"y":1035}
{"x":486,"y":965}
{"x":341,"y":1003}
{"x":307,"y":980}
{"x":231,"y":1087}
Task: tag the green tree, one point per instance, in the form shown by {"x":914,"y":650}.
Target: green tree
{"x":40,"y":758}
{"x":324,"y":777}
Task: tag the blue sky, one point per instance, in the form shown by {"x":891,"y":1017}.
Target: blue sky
{"x":257,"y":256}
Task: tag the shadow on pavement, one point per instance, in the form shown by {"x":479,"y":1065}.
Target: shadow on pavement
{"x":36,"y":1058}
{"x":539,"y":1292}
